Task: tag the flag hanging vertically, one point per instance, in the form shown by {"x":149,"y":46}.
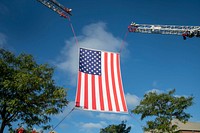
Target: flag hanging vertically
{"x":99,"y":84}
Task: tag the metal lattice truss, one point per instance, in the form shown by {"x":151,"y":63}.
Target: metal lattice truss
{"x":185,"y":31}
{"x":56,"y":7}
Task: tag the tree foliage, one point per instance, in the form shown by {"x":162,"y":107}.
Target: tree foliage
{"x":28,"y":92}
{"x":163,"y":107}
{"x":121,"y":128}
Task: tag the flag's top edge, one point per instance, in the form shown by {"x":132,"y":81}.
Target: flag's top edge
{"x":99,"y":50}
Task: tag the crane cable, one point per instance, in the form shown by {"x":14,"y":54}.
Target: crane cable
{"x":123,"y":41}
{"x":75,"y":37}
{"x":72,"y":28}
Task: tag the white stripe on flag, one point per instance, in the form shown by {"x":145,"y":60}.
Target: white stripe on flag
{"x":98,"y":104}
{"x":82,"y":98}
{"x":90,"y":92}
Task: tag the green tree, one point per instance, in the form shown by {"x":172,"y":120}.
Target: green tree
{"x":163,"y":107}
{"x":27,"y":91}
{"x":121,"y":128}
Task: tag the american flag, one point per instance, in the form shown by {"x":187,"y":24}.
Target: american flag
{"x":99,"y":82}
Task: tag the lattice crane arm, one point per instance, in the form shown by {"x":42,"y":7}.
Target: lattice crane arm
{"x":185,"y":31}
{"x":56,"y":7}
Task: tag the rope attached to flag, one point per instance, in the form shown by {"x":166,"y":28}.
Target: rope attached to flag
{"x":135,"y":119}
{"x":63,"y":119}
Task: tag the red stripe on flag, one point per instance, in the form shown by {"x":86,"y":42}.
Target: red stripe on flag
{"x":107,"y":81}
{"x":120,"y":85}
{"x":113,"y":82}
{"x":86,"y":92}
{"x":101,"y":93}
{"x":93,"y":93}
{"x":78,"y":95}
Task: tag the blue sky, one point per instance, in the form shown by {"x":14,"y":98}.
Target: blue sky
{"x":148,"y":62}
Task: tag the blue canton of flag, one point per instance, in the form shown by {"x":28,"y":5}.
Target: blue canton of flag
{"x":90,"y":61}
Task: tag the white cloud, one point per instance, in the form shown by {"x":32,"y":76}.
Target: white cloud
{"x":93,"y":125}
{"x":132,"y":100}
{"x":2,"y":40}
{"x":155,"y":90}
{"x":90,"y":126}
{"x":113,"y":117}
{"x":93,"y":36}
{"x":155,"y":84}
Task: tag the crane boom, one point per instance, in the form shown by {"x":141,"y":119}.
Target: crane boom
{"x":185,"y":31}
{"x":56,"y":7}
